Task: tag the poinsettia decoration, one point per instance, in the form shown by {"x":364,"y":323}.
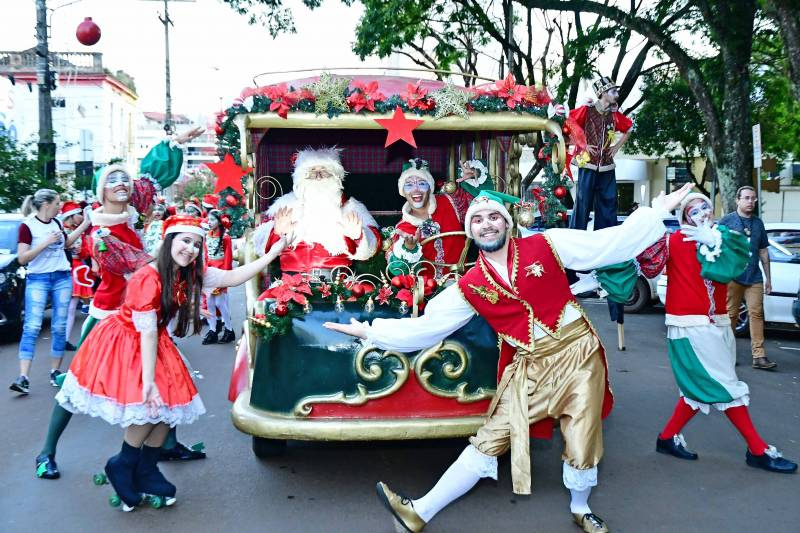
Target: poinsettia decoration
{"x":511,"y":92}
{"x":364,"y":96}
{"x":281,"y":98}
{"x":416,"y":97}
{"x":290,"y":288}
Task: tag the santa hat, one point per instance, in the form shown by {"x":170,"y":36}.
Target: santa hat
{"x":415,"y":167}
{"x":171,"y":210}
{"x":688,"y":198}
{"x":329,"y":157}
{"x":183,"y":224}
{"x":489,"y":200}
{"x":216,"y":213}
{"x":210,"y":201}
{"x":193,"y":205}
{"x":100,"y":177}
{"x":68,"y":209}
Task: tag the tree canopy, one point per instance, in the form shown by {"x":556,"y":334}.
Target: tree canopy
{"x":19,"y":175}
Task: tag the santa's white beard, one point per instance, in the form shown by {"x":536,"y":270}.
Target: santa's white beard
{"x":321,"y":213}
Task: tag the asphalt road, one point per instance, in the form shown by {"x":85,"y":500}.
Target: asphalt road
{"x":321,"y":487}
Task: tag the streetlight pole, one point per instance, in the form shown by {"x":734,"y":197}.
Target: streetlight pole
{"x":47,"y":148}
{"x":167,"y":22}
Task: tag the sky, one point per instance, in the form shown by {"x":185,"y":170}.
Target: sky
{"x":214,"y":53}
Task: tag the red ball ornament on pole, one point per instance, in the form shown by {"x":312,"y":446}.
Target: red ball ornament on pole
{"x":231,"y":200}
{"x":88,"y":33}
{"x":219,"y":130}
{"x":560,"y":191}
{"x":281,"y":309}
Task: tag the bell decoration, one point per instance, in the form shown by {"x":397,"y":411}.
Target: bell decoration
{"x":403,"y":309}
{"x":369,"y":307}
{"x":272,"y":307}
{"x":339,"y":305}
{"x":307,"y":308}
{"x":88,"y":33}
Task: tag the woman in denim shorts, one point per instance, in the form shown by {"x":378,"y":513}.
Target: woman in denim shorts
{"x":41,"y":249}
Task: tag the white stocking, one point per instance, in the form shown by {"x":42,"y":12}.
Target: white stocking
{"x":73,"y":306}
{"x":580,"y":483}
{"x":462,"y":475}
{"x":211,"y":305}
{"x":224,"y":309}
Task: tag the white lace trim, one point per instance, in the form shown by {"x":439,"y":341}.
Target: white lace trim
{"x":410,"y":256}
{"x":77,"y":399}
{"x":773,"y":452}
{"x":705,"y":408}
{"x":144,"y":320}
{"x":477,"y":462}
{"x":576,"y":479}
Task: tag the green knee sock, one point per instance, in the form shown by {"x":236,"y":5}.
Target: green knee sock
{"x":172,"y":439}
{"x":87,"y":327}
{"x":58,"y":422}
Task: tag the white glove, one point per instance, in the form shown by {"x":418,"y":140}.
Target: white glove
{"x":585,"y":283}
{"x":703,"y":234}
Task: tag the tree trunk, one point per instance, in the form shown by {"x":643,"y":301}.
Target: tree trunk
{"x":785,"y":13}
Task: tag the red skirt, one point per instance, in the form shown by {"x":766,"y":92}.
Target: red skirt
{"x":105,"y":379}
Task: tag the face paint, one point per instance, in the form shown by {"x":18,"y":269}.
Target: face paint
{"x":698,"y":211}
{"x":117,"y":178}
{"x":418,"y":184}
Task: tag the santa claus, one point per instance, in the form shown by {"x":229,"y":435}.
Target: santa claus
{"x":331,"y":230}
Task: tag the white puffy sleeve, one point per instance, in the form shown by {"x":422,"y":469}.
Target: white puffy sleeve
{"x":444,"y":314}
{"x":213,"y":278}
{"x":587,"y":250}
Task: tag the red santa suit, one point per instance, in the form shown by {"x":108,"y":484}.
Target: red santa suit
{"x":320,"y":244}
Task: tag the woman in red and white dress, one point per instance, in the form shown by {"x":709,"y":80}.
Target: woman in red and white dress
{"x":129,"y":372}
{"x":72,"y":216}
{"x":219,"y":254}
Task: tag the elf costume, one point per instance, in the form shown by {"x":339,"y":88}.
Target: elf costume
{"x":552,"y":364}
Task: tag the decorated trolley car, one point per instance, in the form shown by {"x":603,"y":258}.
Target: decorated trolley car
{"x":295,"y":380}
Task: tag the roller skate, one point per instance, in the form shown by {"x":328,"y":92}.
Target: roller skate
{"x":46,"y":467}
{"x":119,"y":473}
{"x":148,"y":479}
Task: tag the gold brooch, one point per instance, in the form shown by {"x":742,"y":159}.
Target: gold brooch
{"x":535,"y":269}
{"x":489,"y":295}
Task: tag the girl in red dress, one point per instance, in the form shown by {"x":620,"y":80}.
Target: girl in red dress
{"x":128,"y":370}
{"x":219,"y":254}
{"x":72,"y":217}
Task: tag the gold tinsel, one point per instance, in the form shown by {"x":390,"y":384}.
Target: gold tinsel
{"x":450,"y":101}
{"x":329,"y":93}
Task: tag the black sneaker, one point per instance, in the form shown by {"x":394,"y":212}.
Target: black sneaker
{"x":218,"y":328}
{"x":54,"y":381}
{"x":210,"y":338}
{"x":46,"y":467}
{"x":181,"y":452}
{"x":227,"y":336}
{"x":21,"y":385}
{"x":70,"y":347}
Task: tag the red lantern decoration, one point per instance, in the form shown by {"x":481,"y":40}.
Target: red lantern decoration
{"x":560,"y":191}
{"x":281,"y":309}
{"x":231,"y":200}
{"x":88,"y":33}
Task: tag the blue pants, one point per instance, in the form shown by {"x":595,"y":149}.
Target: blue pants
{"x":38,"y":287}
{"x":596,"y":191}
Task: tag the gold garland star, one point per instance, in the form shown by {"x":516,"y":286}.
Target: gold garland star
{"x":329,"y":93}
{"x":450,"y":101}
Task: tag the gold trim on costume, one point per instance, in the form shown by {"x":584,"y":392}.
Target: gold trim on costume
{"x":553,"y":250}
{"x":362,"y":395}
{"x":450,"y":371}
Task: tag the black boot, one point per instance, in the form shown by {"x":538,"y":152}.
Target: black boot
{"x":119,"y":470}
{"x":219,"y":326}
{"x":148,"y":478}
{"x":210,"y":338}
{"x":227,"y":336}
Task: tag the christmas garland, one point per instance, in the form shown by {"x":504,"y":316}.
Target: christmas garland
{"x":294,"y":296}
{"x":333,"y":96}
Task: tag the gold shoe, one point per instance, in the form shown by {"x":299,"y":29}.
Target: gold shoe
{"x":590,"y":523}
{"x":401,"y":508}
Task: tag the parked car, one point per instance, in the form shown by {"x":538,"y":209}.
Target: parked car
{"x":12,"y":279}
{"x":784,"y":257}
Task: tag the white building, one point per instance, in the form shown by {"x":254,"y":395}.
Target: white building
{"x":94,"y":111}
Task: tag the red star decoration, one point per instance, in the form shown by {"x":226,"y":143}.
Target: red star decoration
{"x":400,"y":128}
{"x":229,"y":174}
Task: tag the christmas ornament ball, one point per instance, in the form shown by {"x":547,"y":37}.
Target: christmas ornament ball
{"x":560,"y":191}
{"x":357,"y":290}
{"x":231,"y":200}
{"x":219,"y":130}
{"x":88,"y":33}
{"x":397,"y":282}
{"x":450,"y":187}
{"x":430,"y":284}
{"x":281,"y":309}
{"x":526,"y":218}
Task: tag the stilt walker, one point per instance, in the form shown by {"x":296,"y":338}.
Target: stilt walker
{"x":701,"y":259}
{"x":552,"y":363}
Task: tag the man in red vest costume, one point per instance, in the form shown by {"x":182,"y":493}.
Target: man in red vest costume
{"x":424,"y":215}
{"x":701,"y":259}
{"x":331,"y":230}
{"x":552,"y":364}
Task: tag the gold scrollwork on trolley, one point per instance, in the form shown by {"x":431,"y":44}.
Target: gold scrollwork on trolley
{"x":370,"y":373}
{"x":450,"y":371}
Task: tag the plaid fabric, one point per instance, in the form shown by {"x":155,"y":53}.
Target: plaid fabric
{"x":654,"y":258}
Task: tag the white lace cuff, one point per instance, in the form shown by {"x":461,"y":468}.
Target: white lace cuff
{"x":705,"y":408}
{"x":144,"y":320}
{"x":712,"y":250}
{"x":477,"y":462}
{"x":576,"y":479}
{"x":409,"y":256}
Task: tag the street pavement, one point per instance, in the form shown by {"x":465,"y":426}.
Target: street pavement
{"x":324,"y":487}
